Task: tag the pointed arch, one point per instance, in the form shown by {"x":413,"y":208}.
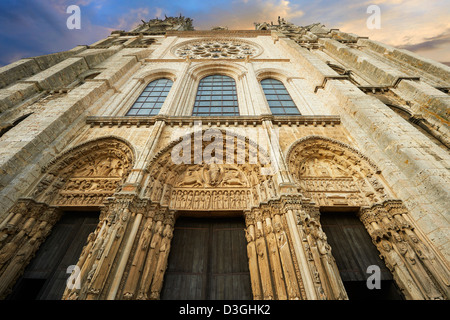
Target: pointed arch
{"x":225,"y":165}
{"x":340,"y":149}
{"x":333,"y":173}
{"x":337,"y":176}
{"x":201,"y":70}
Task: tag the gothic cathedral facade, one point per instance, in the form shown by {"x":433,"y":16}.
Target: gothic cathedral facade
{"x":284,"y":162}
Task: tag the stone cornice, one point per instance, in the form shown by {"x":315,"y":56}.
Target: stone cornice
{"x":303,"y":120}
{"x":213,"y":59}
{"x":218,"y":33}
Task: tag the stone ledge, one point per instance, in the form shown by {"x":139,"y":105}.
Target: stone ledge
{"x":218,"y":33}
{"x":210,"y":121}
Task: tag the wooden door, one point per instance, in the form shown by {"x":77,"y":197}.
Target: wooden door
{"x":208,"y":260}
{"x":46,"y":275}
{"x":354,"y":252}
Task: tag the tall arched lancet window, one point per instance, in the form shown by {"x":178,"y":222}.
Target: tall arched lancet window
{"x":216,"y":96}
{"x":279,"y":100}
{"x":152,"y":98}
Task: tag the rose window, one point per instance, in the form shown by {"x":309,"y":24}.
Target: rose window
{"x":225,"y":49}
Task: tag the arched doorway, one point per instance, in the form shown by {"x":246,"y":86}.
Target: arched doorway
{"x":64,"y":208}
{"x":212,"y":192}
{"x":357,"y":258}
{"x":45,"y":277}
{"x":208,"y":260}
{"x":339,"y":179}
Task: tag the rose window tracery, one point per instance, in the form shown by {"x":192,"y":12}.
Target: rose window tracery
{"x":217,"y":49}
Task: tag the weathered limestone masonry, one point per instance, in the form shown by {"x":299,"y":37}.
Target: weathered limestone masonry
{"x":45,"y":131}
{"x":422,"y":180}
{"x":371,"y":137}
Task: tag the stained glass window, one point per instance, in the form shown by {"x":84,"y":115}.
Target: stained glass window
{"x":151,"y":99}
{"x":216,"y":96}
{"x":279,"y":100}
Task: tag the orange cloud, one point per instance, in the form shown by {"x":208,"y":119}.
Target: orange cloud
{"x":241,"y":14}
{"x":413,"y":25}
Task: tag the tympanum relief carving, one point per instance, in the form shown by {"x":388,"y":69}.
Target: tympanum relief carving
{"x":85,"y":176}
{"x":332,"y":174}
{"x":208,"y":185}
{"x":91,"y":183}
{"x":193,"y":188}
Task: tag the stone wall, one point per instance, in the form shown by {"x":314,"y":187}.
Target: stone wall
{"x":336,"y":112}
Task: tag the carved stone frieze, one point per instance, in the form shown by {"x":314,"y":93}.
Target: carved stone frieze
{"x":218,"y":199}
{"x":209,"y":185}
{"x":85,"y":175}
{"x":334,"y":174}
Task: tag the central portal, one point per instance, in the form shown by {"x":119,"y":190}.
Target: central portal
{"x":208,"y":261}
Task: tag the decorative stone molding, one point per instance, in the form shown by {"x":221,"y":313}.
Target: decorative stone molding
{"x":86,"y":174}
{"x":217,"y":48}
{"x":334,"y":174}
{"x":215,"y":121}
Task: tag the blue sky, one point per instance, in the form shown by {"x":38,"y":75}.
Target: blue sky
{"x":34,"y":27}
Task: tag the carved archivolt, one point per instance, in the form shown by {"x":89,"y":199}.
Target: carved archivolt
{"x":86,"y":174}
{"x":82,"y":176}
{"x":332,"y":173}
{"x":210,"y":185}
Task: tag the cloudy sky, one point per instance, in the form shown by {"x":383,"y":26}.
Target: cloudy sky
{"x":34,"y":27}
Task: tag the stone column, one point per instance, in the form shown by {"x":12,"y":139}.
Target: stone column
{"x":417,"y":270}
{"x":164,"y":250}
{"x":138,"y":259}
{"x":20,"y":237}
{"x":156,"y":258}
{"x":250,"y":235}
{"x":273,"y":268}
{"x":319,"y":271}
{"x":115,"y":219}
